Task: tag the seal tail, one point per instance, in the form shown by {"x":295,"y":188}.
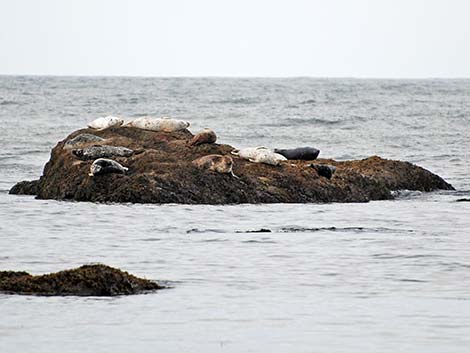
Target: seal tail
{"x":233,"y":174}
{"x":235,"y":152}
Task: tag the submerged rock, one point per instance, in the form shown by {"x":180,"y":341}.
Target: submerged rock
{"x":87,"y":280}
{"x":163,"y":173}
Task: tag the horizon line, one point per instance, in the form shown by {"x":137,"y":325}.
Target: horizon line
{"x":242,"y":77}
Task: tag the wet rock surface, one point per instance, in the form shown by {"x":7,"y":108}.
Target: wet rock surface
{"x":87,"y":280}
{"x":161,"y":172}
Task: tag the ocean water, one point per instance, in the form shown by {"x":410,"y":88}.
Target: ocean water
{"x":385,"y":276}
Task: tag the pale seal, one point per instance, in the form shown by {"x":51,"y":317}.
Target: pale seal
{"x":301,"y":153}
{"x":259,"y":155}
{"x":267,"y":157}
{"x":164,"y":124}
{"x":82,"y":139}
{"x":249,"y":152}
{"x":105,"y":122}
{"x":324,"y":170}
{"x":204,"y":136}
{"x":102,"y":151}
{"x":216,"y":163}
{"x":106,"y":166}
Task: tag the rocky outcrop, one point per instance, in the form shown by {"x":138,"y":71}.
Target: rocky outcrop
{"x":87,"y":280}
{"x":160,"y":171}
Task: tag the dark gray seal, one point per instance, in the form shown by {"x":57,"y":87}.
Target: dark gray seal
{"x":301,"y":153}
{"x":81,"y":139}
{"x":324,"y":170}
{"x":106,"y":166}
{"x":102,"y":151}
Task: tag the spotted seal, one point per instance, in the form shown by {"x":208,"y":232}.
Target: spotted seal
{"x":260,"y":155}
{"x":106,"y":166}
{"x":164,"y":124}
{"x":204,"y":136}
{"x":248,"y":152}
{"x":300,"y":153}
{"x":105,"y":122}
{"x":82,"y":139}
{"x":268,"y":157}
{"x":102,"y":151}
{"x":216,"y":163}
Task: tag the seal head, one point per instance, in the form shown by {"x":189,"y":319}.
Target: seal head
{"x":204,"y":136}
{"x":324,"y":170}
{"x":216,"y":163}
{"x":106,"y":166}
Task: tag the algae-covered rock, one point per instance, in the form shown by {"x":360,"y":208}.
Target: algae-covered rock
{"x":161,"y":172}
{"x":87,"y":280}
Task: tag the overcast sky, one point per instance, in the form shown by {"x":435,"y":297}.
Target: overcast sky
{"x":329,"y":38}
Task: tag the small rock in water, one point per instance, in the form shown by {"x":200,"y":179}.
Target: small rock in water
{"x":87,"y":280}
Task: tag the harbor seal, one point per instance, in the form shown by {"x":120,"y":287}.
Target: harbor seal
{"x":249,"y":152}
{"x":324,"y":170}
{"x":106,"y":166}
{"x":216,"y":163}
{"x":164,"y":124}
{"x":105,"y":122}
{"x":267,"y":157}
{"x":82,"y":139}
{"x":102,"y":151}
{"x":300,"y":153}
{"x":204,"y":136}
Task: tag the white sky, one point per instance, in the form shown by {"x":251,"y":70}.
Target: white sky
{"x":329,"y":38}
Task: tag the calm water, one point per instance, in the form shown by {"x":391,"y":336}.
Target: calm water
{"x":388,"y":276}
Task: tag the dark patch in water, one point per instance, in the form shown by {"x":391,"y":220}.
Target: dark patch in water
{"x":462,"y":200}
{"x":317,"y":121}
{"x":196,"y":230}
{"x":262,"y":230}
{"x":9,"y":103}
{"x":254,"y":241}
{"x":241,"y":100}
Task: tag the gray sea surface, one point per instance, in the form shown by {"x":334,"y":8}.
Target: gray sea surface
{"x":385,"y":276}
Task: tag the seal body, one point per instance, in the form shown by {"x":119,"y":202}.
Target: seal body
{"x":106,"y":166}
{"x":249,"y":152}
{"x":267,"y":157}
{"x":301,"y":153}
{"x":164,"y":124}
{"x":81,"y":139}
{"x":324,"y":170}
{"x":102,"y":151}
{"x":105,"y":122}
{"x":216,"y":163}
{"x":204,"y":136}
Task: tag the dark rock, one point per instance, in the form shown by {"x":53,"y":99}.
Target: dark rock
{"x":163,"y":173}
{"x":87,"y":280}
{"x":25,"y":188}
{"x":462,"y":200}
{"x":324,"y":170}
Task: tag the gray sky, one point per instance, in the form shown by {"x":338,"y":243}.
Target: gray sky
{"x":329,"y":38}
